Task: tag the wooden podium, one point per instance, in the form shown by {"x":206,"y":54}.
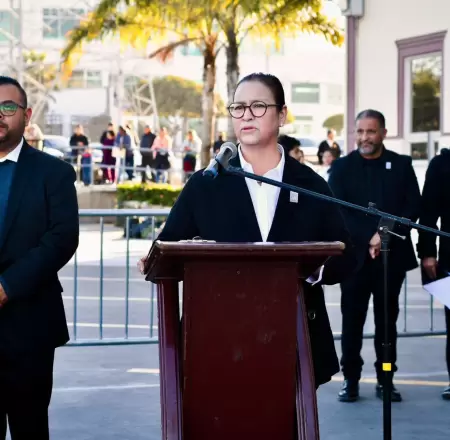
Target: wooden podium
{"x":238,"y":364}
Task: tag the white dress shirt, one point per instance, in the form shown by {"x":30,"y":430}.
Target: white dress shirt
{"x":13,"y":155}
{"x":265,"y":197}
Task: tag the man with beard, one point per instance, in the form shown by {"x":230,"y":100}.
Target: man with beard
{"x":373,"y":174}
{"x":39,"y":230}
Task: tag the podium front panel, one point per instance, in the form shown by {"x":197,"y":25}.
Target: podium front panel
{"x":239,"y":350}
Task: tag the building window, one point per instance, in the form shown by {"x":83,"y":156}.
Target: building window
{"x":426,"y":76}
{"x":85,"y":79}
{"x":303,"y":125}
{"x":305,"y":93}
{"x":420,"y":62}
{"x":57,"y":22}
{"x":9,"y":26}
{"x":335,"y":94}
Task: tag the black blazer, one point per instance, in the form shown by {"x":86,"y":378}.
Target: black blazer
{"x":222,"y":210}
{"x":400,"y":196}
{"x":435,"y":205}
{"x":39,"y":237}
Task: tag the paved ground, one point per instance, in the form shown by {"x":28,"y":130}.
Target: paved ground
{"x":104,"y":393}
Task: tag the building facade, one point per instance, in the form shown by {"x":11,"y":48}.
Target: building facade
{"x":311,"y":71}
{"x":398,"y":62}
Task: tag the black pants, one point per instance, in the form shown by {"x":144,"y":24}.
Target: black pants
{"x":447,"y":321}
{"x":356,"y":293}
{"x":26,"y":382}
{"x":147,"y":161}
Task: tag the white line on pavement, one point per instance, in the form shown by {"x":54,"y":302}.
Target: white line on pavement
{"x":144,"y":370}
{"x":96,"y":325}
{"x":110,"y":279}
{"x":108,"y":298}
{"x":426,"y":306}
{"x":106,"y":387}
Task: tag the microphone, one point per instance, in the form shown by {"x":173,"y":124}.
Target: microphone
{"x":227,"y":152}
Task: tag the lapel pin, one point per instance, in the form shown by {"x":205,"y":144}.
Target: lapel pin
{"x":388,"y":165}
{"x":293,"y":197}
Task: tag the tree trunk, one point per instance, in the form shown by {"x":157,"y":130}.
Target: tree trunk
{"x":232,"y":76}
{"x":208,"y":106}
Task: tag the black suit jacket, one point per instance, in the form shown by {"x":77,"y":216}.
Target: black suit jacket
{"x":436,"y":204}
{"x":39,"y":237}
{"x":222,"y":210}
{"x":400,"y":196}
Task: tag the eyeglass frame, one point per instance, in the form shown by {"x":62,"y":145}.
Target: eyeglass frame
{"x":249,"y":107}
{"x":15,"y":111}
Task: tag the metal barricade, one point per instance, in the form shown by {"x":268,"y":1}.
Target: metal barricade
{"x":129,"y":296}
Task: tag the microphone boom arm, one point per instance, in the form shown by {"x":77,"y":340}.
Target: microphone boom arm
{"x":371,"y":210}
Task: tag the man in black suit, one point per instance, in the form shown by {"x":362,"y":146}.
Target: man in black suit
{"x":435,"y":205}
{"x":38,"y":235}
{"x":222,"y":210}
{"x":373,"y":174}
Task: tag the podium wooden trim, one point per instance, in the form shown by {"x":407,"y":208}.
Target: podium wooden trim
{"x":208,"y":374}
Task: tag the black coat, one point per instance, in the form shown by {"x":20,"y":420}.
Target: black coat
{"x":436,"y":204}
{"x":222,"y":210}
{"x":39,"y":237}
{"x":399,"y":195}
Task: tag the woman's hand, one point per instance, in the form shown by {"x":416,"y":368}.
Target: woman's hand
{"x":141,"y":265}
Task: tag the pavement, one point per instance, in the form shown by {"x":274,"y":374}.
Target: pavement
{"x":112,"y":392}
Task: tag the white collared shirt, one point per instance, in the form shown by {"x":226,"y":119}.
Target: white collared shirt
{"x":13,"y":155}
{"x":265,"y":198}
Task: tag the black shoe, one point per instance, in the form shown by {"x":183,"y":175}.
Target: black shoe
{"x":446,"y":394}
{"x":349,"y":391}
{"x":395,"y":394}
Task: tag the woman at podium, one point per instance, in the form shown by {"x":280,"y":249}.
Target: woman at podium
{"x":233,"y":209}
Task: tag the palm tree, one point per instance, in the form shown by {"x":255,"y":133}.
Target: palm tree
{"x":137,"y":25}
{"x":271,"y":21}
{"x":209,"y":25}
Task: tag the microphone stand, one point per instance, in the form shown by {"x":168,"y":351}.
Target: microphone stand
{"x":385,"y":230}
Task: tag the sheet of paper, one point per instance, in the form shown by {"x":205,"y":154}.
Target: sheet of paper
{"x":440,"y":289}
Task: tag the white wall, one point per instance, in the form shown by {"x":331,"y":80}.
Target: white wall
{"x":384,"y":22}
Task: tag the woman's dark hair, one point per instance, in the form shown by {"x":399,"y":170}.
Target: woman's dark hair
{"x":271,"y":82}
{"x":111,"y":132}
{"x":372,"y":114}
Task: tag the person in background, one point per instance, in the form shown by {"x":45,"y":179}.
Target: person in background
{"x":86,"y":166}
{"x":191,"y":148}
{"x":327,"y":160}
{"x":34,"y":136}
{"x":39,"y":230}
{"x":78,"y":141}
{"x":123,"y":142}
{"x":373,"y":174}
{"x":145,"y":148}
{"x":329,"y":144}
{"x":162,"y":148}
{"x":291,"y":146}
{"x":105,"y":133}
{"x":108,"y":161}
{"x":220,"y":141}
{"x":436,"y":205}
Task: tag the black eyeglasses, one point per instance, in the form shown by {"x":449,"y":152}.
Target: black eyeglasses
{"x":9,"y":108}
{"x":257,"y":109}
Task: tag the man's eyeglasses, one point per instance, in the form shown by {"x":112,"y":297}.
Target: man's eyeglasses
{"x":9,"y":108}
{"x":257,"y":109}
